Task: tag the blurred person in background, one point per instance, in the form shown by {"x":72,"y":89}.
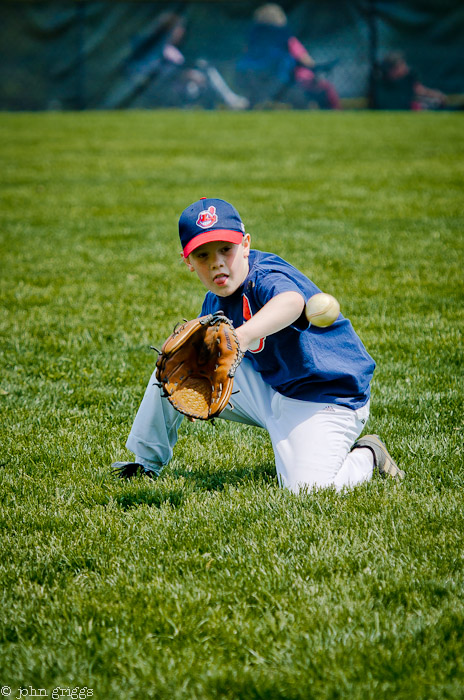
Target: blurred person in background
{"x":160,"y":70}
{"x":398,"y":87}
{"x":276,"y":67}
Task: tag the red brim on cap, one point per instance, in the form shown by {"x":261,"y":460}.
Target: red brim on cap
{"x":209,"y":236}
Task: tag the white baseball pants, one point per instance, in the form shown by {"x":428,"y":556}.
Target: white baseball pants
{"x":311,"y":441}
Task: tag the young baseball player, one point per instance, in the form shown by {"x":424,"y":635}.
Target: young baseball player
{"x":309,"y":387}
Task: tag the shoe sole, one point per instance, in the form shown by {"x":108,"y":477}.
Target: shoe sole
{"x":389,"y":468}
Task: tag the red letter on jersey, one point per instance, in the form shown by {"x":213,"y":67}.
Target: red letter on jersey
{"x":258,"y":345}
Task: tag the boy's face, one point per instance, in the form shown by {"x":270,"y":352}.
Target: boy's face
{"x":221,"y":266}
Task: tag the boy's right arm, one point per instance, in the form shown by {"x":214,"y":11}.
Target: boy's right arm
{"x":281,"y":311}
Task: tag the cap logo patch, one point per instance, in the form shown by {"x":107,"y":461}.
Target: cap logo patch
{"x":207,"y":217}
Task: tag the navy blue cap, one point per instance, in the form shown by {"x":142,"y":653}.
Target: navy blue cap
{"x":209,"y":220}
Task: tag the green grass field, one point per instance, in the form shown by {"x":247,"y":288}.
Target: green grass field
{"x":212,"y":582}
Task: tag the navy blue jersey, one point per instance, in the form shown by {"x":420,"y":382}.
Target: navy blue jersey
{"x":301,"y":361}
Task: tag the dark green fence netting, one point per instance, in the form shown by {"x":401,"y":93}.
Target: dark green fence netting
{"x":110,"y":55}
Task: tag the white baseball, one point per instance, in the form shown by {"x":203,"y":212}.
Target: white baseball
{"x":322,"y":310}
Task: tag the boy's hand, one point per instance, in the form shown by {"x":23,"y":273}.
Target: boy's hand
{"x":241,"y":337}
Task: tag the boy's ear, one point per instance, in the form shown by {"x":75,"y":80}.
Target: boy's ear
{"x":187,"y":262}
{"x":246,"y":244}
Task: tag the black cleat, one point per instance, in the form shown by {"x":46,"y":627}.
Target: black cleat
{"x":127,"y":470}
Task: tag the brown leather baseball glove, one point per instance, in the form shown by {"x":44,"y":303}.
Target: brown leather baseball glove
{"x":197,"y":364}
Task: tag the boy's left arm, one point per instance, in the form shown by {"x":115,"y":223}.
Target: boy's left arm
{"x":281,"y":311}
